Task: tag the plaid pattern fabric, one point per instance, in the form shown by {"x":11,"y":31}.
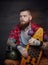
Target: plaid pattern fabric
{"x":15,"y":33}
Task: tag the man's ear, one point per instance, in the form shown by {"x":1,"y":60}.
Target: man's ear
{"x":30,"y":17}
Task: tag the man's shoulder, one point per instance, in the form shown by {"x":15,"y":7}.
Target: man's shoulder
{"x":35,"y":26}
{"x":15,"y":29}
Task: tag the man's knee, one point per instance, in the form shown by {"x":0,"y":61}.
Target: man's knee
{"x":11,"y":62}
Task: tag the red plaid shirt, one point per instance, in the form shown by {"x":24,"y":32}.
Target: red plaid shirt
{"x":15,"y":33}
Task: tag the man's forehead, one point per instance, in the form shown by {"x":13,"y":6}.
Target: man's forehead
{"x":24,"y":12}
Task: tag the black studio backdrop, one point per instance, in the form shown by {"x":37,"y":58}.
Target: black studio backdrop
{"x":9,"y":17}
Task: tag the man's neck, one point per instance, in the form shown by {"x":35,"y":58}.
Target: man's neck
{"x":29,"y":26}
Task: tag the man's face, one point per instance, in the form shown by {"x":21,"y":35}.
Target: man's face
{"x":25,"y":17}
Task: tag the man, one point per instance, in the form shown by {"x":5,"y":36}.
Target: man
{"x":21,"y":34}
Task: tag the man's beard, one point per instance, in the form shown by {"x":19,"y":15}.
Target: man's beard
{"x":23,"y":26}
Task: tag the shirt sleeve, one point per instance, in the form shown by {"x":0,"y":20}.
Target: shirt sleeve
{"x":14,"y":35}
{"x":45,"y":37}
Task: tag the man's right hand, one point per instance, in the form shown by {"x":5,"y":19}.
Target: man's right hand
{"x":23,"y":51}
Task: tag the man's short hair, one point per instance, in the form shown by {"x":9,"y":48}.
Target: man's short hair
{"x":26,"y":9}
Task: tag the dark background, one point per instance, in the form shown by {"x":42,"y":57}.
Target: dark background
{"x":9,"y":16}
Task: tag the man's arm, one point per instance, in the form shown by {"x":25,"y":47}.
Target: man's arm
{"x":11,"y":42}
{"x":45,"y":42}
{"x":45,"y":46}
{"x":35,"y":42}
{"x":13,"y":37}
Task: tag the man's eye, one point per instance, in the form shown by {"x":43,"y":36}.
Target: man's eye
{"x":24,"y":15}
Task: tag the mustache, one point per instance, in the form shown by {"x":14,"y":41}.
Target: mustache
{"x":22,"y":21}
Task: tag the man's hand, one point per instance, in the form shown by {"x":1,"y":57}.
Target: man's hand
{"x":45,"y":45}
{"x":23,"y":51}
{"x":34,"y":41}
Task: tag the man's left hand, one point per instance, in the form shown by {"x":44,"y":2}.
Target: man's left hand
{"x":34,"y":41}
